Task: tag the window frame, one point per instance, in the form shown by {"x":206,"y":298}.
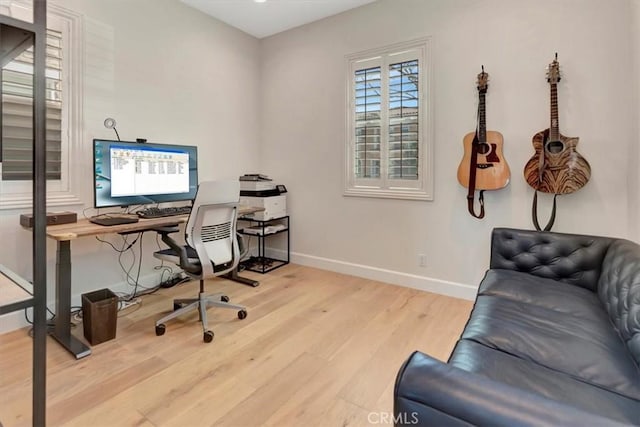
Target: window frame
{"x":66,"y":191}
{"x":383,"y":187}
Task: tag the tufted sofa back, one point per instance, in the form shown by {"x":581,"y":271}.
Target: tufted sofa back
{"x":570,"y":258}
{"x":619,"y":291}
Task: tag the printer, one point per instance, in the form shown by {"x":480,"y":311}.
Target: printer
{"x":262,"y":193}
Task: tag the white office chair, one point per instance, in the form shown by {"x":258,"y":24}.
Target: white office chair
{"x":211,"y":250}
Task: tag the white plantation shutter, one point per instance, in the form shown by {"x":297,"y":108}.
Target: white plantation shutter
{"x":17,"y":113}
{"x":388,"y":149}
{"x":404,"y":113}
{"x":367,"y":122}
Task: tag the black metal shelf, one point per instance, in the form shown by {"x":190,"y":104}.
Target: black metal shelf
{"x":262,"y":263}
{"x":244,"y":233}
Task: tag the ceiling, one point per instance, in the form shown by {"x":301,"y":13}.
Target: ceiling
{"x":273,"y":16}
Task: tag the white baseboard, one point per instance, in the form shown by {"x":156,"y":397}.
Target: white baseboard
{"x":12,"y":321}
{"x":423,"y":283}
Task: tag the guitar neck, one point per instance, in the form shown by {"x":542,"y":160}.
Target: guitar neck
{"x":554,"y":129}
{"x":482,"y":118}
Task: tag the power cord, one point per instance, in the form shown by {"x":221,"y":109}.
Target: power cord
{"x":128,"y":300}
{"x":84,"y":212}
{"x":51,"y":321}
{"x":164,"y":268}
{"x":116,"y":249}
{"x":126,"y":247}
{"x":135,"y":283}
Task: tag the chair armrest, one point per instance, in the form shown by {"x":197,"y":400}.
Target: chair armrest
{"x":166,"y":229}
{"x":180,"y":250}
{"x":429,"y":392}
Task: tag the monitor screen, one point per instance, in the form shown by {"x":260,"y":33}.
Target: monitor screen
{"x":132,"y":173}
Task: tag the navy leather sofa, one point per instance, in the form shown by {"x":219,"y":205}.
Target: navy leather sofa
{"x":553,"y":339}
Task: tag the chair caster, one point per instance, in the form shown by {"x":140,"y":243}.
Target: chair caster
{"x":207,"y":336}
{"x":160,"y":329}
{"x":242,"y":314}
{"x":224,"y":298}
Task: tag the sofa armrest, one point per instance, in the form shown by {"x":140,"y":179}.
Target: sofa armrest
{"x":431,"y":393}
{"x":571,"y":258}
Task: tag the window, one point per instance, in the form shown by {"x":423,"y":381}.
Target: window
{"x":388,"y":141}
{"x":17,"y":112}
{"x":63,"y":116}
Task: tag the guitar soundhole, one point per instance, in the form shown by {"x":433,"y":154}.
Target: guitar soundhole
{"x":483,"y":148}
{"x":555,"y":147}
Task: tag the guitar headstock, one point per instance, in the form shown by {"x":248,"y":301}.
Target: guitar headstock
{"x":553,"y":71}
{"x":483,"y":81}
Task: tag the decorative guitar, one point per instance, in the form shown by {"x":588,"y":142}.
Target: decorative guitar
{"x":556,"y":167}
{"x":483,"y":166}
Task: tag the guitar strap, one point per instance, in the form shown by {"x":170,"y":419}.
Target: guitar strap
{"x":472,"y":181}
{"x":534,"y":206}
{"x":534,"y":213}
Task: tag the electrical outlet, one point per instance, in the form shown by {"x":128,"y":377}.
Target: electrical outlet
{"x":422,"y":260}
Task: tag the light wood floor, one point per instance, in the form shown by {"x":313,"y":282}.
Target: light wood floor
{"x":317,"y":349}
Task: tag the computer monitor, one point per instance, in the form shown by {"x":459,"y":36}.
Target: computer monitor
{"x":132,"y":173}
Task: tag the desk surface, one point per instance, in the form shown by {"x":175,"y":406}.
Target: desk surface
{"x":84,"y":228}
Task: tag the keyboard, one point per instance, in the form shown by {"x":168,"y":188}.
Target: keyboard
{"x":162,"y":212}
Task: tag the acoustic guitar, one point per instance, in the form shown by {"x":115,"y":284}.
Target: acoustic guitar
{"x":483,"y":166}
{"x":492,"y":170}
{"x":556,"y":167}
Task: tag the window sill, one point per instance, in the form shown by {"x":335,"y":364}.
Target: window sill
{"x":26,"y":201}
{"x":388,"y":194}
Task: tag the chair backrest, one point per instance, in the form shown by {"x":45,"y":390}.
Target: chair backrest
{"x":211,"y":228}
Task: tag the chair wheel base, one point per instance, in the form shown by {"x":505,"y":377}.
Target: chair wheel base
{"x":160,"y":329}
{"x":242,"y":314}
{"x":207,"y":336}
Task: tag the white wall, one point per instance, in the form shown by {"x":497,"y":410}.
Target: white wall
{"x":167,"y":73}
{"x":303,"y":126}
{"x":170,"y":74}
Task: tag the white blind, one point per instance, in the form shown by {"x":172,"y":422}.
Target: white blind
{"x":368,"y":85}
{"x":397,"y":91}
{"x":17,"y":112}
{"x":403,"y":120}
{"x":388,"y":142}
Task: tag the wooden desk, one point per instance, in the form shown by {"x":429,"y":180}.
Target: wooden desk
{"x":84,"y":228}
{"x":65,"y":233}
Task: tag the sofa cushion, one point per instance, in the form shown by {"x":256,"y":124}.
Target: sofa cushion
{"x":547,"y":293}
{"x":503,"y":367}
{"x":581,"y":343}
{"x":570,"y":258}
{"x":619,"y":291}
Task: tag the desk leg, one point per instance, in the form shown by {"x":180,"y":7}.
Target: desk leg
{"x":62,"y":329}
{"x":233,"y":275}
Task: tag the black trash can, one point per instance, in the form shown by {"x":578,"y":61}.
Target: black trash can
{"x":99,"y":315}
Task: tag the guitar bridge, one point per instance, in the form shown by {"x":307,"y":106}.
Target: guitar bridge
{"x":484,"y":165}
